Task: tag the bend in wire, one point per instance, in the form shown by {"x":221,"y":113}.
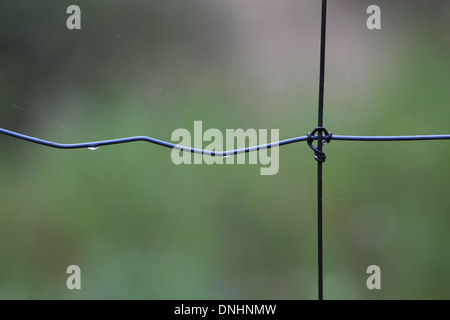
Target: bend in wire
{"x":95,"y":144}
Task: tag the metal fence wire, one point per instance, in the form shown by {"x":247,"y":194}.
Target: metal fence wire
{"x":319,"y":134}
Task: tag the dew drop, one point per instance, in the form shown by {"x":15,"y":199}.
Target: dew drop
{"x":93,"y":148}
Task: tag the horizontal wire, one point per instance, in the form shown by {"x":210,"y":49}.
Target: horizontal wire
{"x":95,"y":144}
{"x":391,"y":138}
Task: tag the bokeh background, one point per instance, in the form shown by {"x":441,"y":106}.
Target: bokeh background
{"x":141,"y":227}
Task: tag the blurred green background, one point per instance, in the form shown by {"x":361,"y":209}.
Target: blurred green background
{"x":141,"y":227}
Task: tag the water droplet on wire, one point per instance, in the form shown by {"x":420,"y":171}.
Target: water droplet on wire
{"x":93,"y":148}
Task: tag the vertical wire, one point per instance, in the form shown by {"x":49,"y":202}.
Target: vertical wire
{"x":322,"y":65}
{"x":319,"y":147}
{"x":319,"y":229}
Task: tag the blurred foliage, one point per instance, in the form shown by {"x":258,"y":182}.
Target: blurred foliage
{"x":142,"y":227}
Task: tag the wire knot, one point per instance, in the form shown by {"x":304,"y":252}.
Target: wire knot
{"x":326,"y":138}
